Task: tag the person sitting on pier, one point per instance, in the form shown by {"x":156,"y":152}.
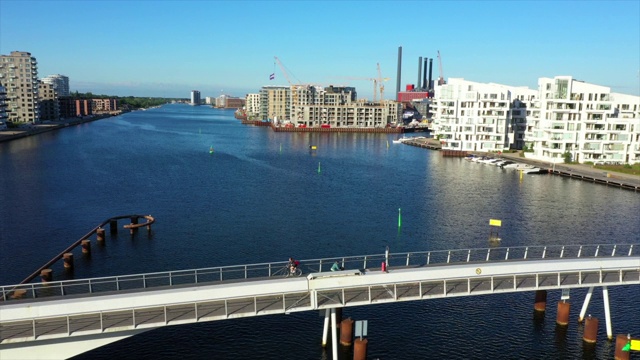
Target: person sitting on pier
{"x":336,"y":267}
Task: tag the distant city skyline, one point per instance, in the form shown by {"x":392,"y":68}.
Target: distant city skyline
{"x":169,"y":48}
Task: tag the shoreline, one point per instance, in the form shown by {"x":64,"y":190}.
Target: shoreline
{"x":12,"y":134}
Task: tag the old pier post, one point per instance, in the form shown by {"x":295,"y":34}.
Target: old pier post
{"x":346,"y":332}
{"x":541,"y":300}
{"x":86,"y":246}
{"x":590,"y":330}
{"x":68,"y":261}
{"x":562,"y":318}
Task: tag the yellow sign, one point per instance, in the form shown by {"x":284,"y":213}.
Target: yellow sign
{"x":635,"y":345}
{"x":494,"y":222}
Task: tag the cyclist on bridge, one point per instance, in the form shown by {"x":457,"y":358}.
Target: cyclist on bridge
{"x":293,"y":265}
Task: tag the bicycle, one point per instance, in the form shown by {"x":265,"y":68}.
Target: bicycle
{"x":287,"y":272}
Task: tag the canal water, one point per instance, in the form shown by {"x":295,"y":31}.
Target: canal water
{"x":262,"y":196}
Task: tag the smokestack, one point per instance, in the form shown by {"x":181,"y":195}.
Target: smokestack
{"x":424,"y":76}
{"x":399,"y":71}
{"x":430,"y":87}
{"x":419,"y":72}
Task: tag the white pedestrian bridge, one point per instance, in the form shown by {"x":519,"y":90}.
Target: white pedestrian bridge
{"x":66,"y":318}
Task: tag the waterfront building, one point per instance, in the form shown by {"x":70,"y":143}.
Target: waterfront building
{"x":252,"y":105}
{"x":48,"y":102}
{"x":584,"y":123}
{"x":60,"y":83}
{"x":229,"y":102}
{"x":275,"y":102}
{"x":471,"y":116}
{"x":195,"y":97}
{"x":3,"y":107}
{"x":104,"y":105}
{"x":19,"y":75}
{"x":209,"y":100}
{"x":67,"y":106}
{"x":83,"y":107}
{"x":317,"y":106}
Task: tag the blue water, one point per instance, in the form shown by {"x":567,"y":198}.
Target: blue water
{"x":264,"y":196}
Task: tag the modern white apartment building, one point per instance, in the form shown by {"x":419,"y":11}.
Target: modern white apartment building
{"x":195,"y":97}
{"x":19,"y":75}
{"x":209,"y":100}
{"x":252,"y":105}
{"x":60,"y":84}
{"x":585,"y":121}
{"x":472,"y":116}
{"x":316,"y":106}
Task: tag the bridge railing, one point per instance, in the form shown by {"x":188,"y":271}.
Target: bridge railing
{"x":177,"y":278}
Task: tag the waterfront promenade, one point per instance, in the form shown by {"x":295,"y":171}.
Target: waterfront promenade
{"x":30,"y":130}
{"x":577,"y":171}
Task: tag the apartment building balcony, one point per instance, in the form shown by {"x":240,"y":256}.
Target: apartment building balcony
{"x":591,"y":147}
{"x":613,"y":147}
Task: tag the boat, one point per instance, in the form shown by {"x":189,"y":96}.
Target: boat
{"x":518,"y":166}
{"x":401,"y":140}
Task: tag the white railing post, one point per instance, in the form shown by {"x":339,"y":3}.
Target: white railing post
{"x":580,"y":251}
{"x":597,"y":250}
{"x":506,"y":255}
{"x":544,"y":252}
{"x":562,"y":252}
{"x":488,"y":253}
{"x":246,"y":272}
{"x":613,"y":253}
{"x":68,"y":326}
{"x":117,"y":284}
{"x":448,"y":256}
{"x":428,"y":257}
{"x":468,"y":255}
{"x":526,"y":251}
{"x":365,"y":263}
{"x":408,"y":255}
{"x":33,"y":327}
{"x":195,"y":275}
{"x":630,"y":250}
{"x":170,"y":279}
{"x":144,"y":281}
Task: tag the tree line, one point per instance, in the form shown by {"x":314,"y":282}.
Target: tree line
{"x":126,"y":102}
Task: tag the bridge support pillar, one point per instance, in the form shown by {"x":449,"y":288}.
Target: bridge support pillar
{"x":346,"y":332}
{"x":585,"y":305}
{"x":541,"y":300}
{"x":334,"y":335}
{"x":590,"y":330}
{"x":46,"y":275}
{"x":562,"y":318}
{"x":100,"y":234}
{"x":113,"y":226}
{"x":621,"y":341}
{"x":360,"y":349}
{"x":86,"y":246}
{"x":68,"y":261}
{"x":325,"y":328}
{"x":607,"y":312}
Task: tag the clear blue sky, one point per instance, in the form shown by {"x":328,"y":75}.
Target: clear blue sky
{"x":168,"y":48}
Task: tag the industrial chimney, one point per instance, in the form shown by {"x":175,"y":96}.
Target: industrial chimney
{"x":419,"y":72}
{"x":429,"y":86}
{"x":398,"y":80}
{"x":424,"y":76}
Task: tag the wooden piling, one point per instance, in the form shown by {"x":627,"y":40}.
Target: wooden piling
{"x":68,"y":261}
{"x":360,"y":349}
{"x":46,"y":275}
{"x":590,"y":330}
{"x":100,"y":234}
{"x":86,"y":246}
{"x":541,"y":300}
{"x":562,"y":318}
{"x":346,"y":332}
{"x":621,"y":341}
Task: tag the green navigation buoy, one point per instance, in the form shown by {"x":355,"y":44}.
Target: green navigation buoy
{"x":399,"y":217}
{"x":318,"y":167}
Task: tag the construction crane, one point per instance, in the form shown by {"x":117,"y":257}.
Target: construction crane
{"x":441,"y":78}
{"x":284,"y":71}
{"x":380,"y":80}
